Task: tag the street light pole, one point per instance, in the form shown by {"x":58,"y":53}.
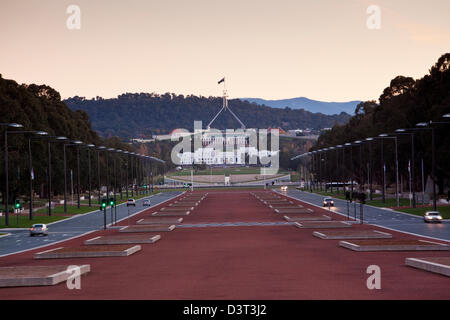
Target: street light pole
{"x":411,"y":168}
{"x":74,"y":143}
{"x":433,"y":151}
{"x":386,"y":136}
{"x":6,"y":196}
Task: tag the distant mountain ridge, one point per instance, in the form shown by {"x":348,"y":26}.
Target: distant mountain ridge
{"x":141,"y":115}
{"x":315,"y":106}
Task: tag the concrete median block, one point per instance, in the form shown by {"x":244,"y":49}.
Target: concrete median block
{"x":175,"y":209}
{"x":307,"y":217}
{"x":439,"y":265}
{"x":352,"y":234}
{"x":171,"y":213}
{"x":322,"y":224}
{"x":148,"y":228}
{"x":184,"y":204}
{"x":30,"y":276}
{"x":123,"y":239}
{"x":285,"y":206}
{"x":294,"y":210}
{"x":394,"y":245}
{"x":88,"y":252}
{"x":160,"y":220}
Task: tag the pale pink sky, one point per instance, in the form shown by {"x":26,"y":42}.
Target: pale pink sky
{"x":268,"y":49}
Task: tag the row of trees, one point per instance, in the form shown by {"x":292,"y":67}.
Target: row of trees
{"x":405,"y":103}
{"x":133,"y":115}
{"x":39,"y":108}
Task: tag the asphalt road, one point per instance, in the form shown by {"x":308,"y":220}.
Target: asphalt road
{"x":381,"y":217}
{"x":20,"y":240}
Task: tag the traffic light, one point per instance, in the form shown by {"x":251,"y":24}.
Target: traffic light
{"x":112,"y":203}
{"x":104,"y":203}
{"x":17,"y":204}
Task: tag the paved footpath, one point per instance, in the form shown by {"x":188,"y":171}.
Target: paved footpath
{"x":232,"y":246}
{"x":20,"y":240}
{"x":381,"y":217}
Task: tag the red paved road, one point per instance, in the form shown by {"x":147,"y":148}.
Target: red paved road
{"x":258,"y":262}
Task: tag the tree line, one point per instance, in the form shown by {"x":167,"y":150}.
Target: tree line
{"x":403,"y":104}
{"x":133,"y":115}
{"x":40,"y":108}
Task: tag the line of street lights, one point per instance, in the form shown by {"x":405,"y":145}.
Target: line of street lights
{"x":381,"y":137}
{"x":144,"y":161}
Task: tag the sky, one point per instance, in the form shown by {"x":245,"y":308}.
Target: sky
{"x":271,"y":49}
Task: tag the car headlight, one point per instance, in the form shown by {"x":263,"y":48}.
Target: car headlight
{"x":440,"y":218}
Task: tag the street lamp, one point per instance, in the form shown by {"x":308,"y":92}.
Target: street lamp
{"x":120,"y":170}
{"x":348,"y":144}
{"x":361,"y":180}
{"x":100,"y":148}
{"x":342,"y":175}
{"x":107,"y":173}
{"x":89,"y":146}
{"x":126,"y":179}
{"x":6,"y":196}
{"x":41,"y":134}
{"x":369,"y":168}
{"x":411,"y":167}
{"x":13,"y":125}
{"x":49,"y":170}
{"x":73,"y":143}
{"x":383,"y":166}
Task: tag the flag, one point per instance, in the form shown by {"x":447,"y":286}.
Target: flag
{"x":222,"y":80}
{"x":32,"y":174}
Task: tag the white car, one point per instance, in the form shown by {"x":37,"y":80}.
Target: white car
{"x":131,"y":202}
{"x":284,"y":188}
{"x":146,"y":203}
{"x":38,"y":229}
{"x":432,"y":216}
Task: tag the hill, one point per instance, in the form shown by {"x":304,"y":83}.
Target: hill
{"x":328,"y":108}
{"x":133,"y":115}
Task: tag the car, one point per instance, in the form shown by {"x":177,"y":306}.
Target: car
{"x":146,"y":203}
{"x":432,"y":216}
{"x":38,"y":229}
{"x":131,"y":202}
{"x":284,"y":188}
{"x":328,"y":202}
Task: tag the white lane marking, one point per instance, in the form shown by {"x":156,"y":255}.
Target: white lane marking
{"x":414,"y":234}
{"x":62,"y":240}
